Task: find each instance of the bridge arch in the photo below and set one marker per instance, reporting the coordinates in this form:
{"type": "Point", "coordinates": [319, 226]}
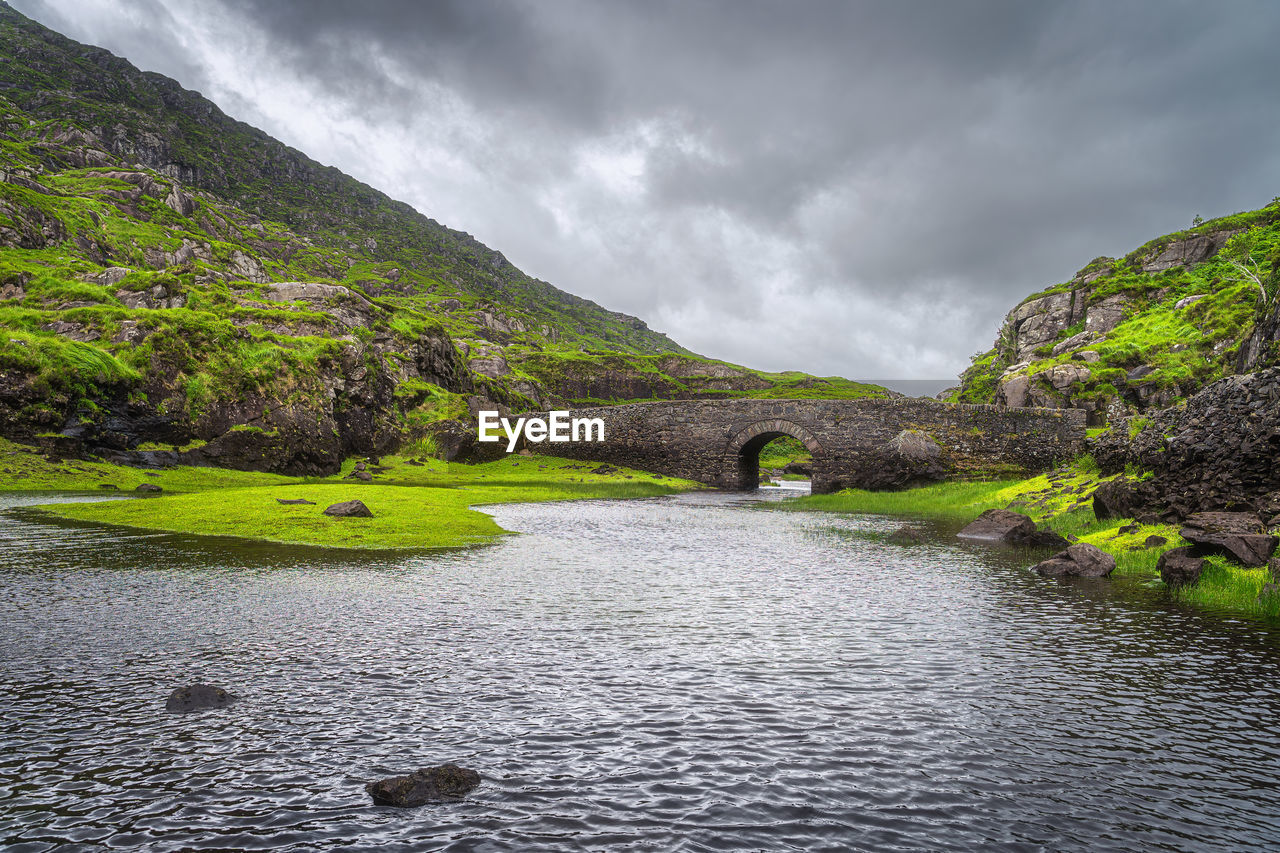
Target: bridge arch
{"type": "Point", "coordinates": [743, 450]}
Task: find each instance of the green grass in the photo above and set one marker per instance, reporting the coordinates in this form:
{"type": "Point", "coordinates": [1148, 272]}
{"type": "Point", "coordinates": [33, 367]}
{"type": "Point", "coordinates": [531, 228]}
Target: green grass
{"type": "Point", "coordinates": [413, 506]}
{"type": "Point", "coordinates": [1224, 587]}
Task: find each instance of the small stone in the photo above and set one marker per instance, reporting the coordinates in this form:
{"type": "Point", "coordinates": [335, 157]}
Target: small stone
{"type": "Point", "coordinates": [294, 501]}
{"type": "Point", "coordinates": [198, 697]}
{"type": "Point", "coordinates": [1154, 541]}
{"type": "Point", "coordinates": [348, 509]}
{"type": "Point", "coordinates": [430, 784]}
{"type": "Point", "coordinates": [111, 486]}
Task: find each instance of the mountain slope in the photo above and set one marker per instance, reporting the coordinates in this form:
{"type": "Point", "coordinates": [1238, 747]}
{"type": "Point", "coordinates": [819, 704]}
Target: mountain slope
{"type": "Point", "coordinates": [172, 278]}
{"type": "Point", "coordinates": [1144, 331]}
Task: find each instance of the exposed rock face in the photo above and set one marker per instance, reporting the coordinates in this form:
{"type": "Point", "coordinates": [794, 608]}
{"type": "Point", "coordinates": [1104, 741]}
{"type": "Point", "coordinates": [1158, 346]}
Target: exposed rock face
{"type": "Point", "coordinates": [1040, 321]}
{"type": "Point", "coordinates": [348, 509]}
{"type": "Point", "coordinates": [1178, 567]}
{"type": "Point", "coordinates": [1238, 535]}
{"type": "Point", "coordinates": [1219, 452]}
{"type": "Point", "coordinates": [1187, 252]}
{"type": "Point", "coordinates": [1080, 560]}
{"type": "Point", "coordinates": [428, 785]}
{"type": "Point", "coordinates": [198, 697]}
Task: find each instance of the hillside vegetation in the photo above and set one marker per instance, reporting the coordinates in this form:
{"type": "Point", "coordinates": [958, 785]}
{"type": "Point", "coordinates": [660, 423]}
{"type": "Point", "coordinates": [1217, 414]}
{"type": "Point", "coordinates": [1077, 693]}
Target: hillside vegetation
{"type": "Point", "coordinates": [1144, 331]}
{"type": "Point", "coordinates": [175, 281]}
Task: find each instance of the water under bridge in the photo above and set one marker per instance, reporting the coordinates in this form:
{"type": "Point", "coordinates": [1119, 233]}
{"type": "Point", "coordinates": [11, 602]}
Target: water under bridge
{"type": "Point", "coordinates": [868, 443]}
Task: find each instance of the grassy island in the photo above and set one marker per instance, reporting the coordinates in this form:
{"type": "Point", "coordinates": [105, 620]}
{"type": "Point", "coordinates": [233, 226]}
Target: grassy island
{"type": "Point", "coordinates": [416, 503]}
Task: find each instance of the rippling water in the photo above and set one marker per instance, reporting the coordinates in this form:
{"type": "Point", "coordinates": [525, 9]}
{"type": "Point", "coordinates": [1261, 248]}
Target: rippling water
{"type": "Point", "coordinates": [685, 673]}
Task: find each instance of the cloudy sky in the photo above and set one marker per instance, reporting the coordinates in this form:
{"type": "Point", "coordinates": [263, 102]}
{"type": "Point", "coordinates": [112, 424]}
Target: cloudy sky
{"type": "Point", "coordinates": [851, 188]}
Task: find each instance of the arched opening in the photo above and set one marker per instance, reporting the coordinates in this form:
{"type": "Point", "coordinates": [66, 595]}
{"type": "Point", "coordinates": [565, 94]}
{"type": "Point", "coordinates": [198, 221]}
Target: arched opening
{"type": "Point", "coordinates": [744, 449]}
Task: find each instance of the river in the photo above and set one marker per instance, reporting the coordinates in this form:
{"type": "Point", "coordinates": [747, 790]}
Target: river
{"type": "Point", "coordinates": [690, 673]}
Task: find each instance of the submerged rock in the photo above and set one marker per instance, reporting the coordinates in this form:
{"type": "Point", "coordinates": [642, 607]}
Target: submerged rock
{"type": "Point", "coordinates": [1081, 560]}
{"type": "Point", "coordinates": [430, 784]}
{"type": "Point", "coordinates": [348, 509]}
{"type": "Point", "coordinates": [1238, 535]}
{"type": "Point", "coordinates": [907, 535]}
{"type": "Point", "coordinates": [198, 697]}
{"type": "Point", "coordinates": [1179, 568]}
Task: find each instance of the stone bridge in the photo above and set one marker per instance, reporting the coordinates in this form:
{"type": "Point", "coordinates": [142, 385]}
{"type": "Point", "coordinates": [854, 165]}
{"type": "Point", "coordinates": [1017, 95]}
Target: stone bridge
{"type": "Point", "coordinates": [874, 444]}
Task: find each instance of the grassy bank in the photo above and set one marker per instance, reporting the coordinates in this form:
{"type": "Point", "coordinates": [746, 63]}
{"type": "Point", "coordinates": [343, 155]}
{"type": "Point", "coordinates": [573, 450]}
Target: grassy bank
{"type": "Point", "coordinates": [414, 505]}
{"type": "Point", "coordinates": [1061, 502]}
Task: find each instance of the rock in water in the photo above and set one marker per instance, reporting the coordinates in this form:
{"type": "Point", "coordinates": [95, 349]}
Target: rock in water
{"type": "Point", "coordinates": [1000, 525]}
{"type": "Point", "coordinates": [430, 784]}
{"type": "Point", "coordinates": [198, 697]}
{"type": "Point", "coordinates": [907, 535]}
{"type": "Point", "coordinates": [1178, 568]}
{"type": "Point", "coordinates": [348, 509]}
{"type": "Point", "coordinates": [1081, 560]}
{"type": "Point", "coordinates": [1238, 535]}
{"type": "Point", "coordinates": [149, 488]}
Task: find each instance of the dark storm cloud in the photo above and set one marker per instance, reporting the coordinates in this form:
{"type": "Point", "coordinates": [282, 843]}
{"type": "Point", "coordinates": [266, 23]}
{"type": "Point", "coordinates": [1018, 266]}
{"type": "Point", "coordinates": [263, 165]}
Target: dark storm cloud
{"type": "Point", "coordinates": [842, 187]}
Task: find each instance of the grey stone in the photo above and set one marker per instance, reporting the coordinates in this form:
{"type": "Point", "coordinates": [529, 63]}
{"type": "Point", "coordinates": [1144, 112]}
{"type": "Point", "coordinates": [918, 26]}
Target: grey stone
{"type": "Point", "coordinates": [1178, 567]}
{"type": "Point", "coordinates": [430, 784]}
{"type": "Point", "coordinates": [295, 501]}
{"type": "Point", "coordinates": [348, 509]}
{"type": "Point", "coordinates": [1237, 535]}
{"type": "Point", "coordinates": [1079, 560]}
{"type": "Point", "coordinates": [149, 488]}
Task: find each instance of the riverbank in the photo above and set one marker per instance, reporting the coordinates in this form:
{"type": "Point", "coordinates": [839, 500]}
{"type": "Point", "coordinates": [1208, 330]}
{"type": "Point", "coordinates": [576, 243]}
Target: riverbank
{"type": "Point", "coordinates": [415, 502]}
{"type": "Point", "coordinates": [1061, 501]}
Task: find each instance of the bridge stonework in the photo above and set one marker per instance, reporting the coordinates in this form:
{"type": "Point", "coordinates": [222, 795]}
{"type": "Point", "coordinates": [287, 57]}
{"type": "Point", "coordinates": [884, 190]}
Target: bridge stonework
{"type": "Point", "coordinates": [717, 442]}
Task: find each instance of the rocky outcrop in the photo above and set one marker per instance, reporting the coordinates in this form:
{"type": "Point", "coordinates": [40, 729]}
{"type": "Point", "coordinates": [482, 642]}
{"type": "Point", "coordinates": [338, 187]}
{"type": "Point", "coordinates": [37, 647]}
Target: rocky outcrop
{"type": "Point", "coordinates": [1080, 560]}
{"type": "Point", "coordinates": [428, 785]}
{"type": "Point", "coordinates": [1221, 451]}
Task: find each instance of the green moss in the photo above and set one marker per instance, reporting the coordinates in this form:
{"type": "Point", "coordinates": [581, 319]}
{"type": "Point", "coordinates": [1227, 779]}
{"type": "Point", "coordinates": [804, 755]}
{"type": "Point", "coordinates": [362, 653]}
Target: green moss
{"type": "Point", "coordinates": [425, 506]}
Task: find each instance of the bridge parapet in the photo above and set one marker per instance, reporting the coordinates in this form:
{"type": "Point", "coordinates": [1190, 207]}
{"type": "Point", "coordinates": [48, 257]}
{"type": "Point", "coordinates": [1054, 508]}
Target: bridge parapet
{"type": "Point", "coordinates": [853, 442]}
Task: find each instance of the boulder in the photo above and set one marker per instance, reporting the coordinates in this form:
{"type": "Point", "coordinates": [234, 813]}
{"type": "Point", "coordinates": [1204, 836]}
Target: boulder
{"type": "Point", "coordinates": [149, 488]}
{"type": "Point", "coordinates": [348, 509]}
{"type": "Point", "coordinates": [802, 469]}
{"type": "Point", "coordinates": [1000, 525]}
{"type": "Point", "coordinates": [1178, 567]}
{"type": "Point", "coordinates": [1116, 499]}
{"type": "Point", "coordinates": [198, 697]}
{"type": "Point", "coordinates": [428, 785]}
{"type": "Point", "coordinates": [1238, 535]}
{"type": "Point", "coordinates": [1044, 538]}
{"type": "Point", "coordinates": [1081, 560]}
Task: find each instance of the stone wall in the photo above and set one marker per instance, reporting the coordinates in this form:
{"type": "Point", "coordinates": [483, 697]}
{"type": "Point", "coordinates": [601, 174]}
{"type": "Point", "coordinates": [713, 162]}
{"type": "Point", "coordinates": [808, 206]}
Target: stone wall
{"type": "Point", "coordinates": [854, 442]}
